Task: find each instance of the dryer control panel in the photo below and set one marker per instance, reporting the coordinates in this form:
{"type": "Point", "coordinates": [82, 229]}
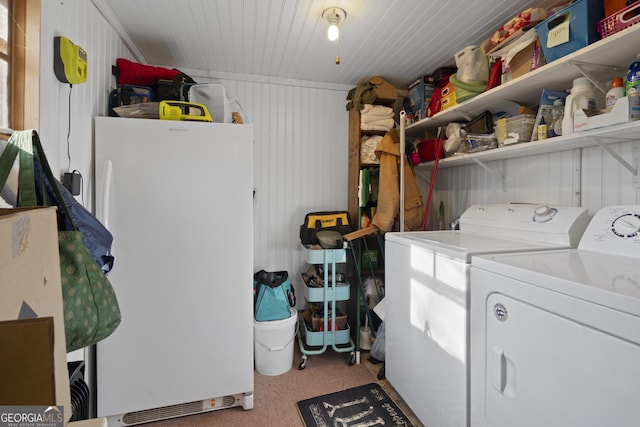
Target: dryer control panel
{"type": "Point", "coordinates": [553, 225]}
{"type": "Point", "coordinates": [614, 230]}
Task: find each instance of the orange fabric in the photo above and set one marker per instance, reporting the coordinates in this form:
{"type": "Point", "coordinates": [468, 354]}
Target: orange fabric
{"type": "Point", "coordinates": [388, 151]}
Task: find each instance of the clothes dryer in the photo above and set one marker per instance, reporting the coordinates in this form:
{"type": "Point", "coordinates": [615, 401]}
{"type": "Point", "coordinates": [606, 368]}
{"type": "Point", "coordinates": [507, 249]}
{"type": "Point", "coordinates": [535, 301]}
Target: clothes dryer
{"type": "Point", "coordinates": [555, 335]}
{"type": "Point", "coordinates": [427, 298]}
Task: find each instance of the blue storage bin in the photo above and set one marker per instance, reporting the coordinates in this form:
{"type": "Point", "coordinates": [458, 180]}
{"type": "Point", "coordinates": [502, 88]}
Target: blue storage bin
{"type": "Point", "coordinates": [341, 336]}
{"type": "Point", "coordinates": [341, 291]}
{"type": "Point", "coordinates": [582, 18]}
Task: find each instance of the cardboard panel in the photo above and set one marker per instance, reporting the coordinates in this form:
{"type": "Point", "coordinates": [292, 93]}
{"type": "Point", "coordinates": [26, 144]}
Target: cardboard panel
{"type": "Point", "coordinates": [26, 362]}
{"type": "Point", "coordinates": [30, 281]}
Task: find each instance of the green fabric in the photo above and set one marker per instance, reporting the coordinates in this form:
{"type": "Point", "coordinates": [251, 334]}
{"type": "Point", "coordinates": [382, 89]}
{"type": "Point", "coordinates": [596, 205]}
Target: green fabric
{"type": "Point", "coordinates": [20, 146]}
{"type": "Point", "coordinates": [360, 95]}
{"type": "Point", "coordinates": [91, 310]}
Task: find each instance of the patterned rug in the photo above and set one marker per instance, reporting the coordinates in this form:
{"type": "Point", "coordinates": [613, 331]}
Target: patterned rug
{"type": "Point", "coordinates": [364, 406]}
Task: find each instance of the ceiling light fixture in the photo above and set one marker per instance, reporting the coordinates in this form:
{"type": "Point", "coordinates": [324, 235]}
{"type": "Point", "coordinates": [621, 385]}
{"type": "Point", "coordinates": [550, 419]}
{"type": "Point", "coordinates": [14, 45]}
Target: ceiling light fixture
{"type": "Point", "coordinates": [334, 16]}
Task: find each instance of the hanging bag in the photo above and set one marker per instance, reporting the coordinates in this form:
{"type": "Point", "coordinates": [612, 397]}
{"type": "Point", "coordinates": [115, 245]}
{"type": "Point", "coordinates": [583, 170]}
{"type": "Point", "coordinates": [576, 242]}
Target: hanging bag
{"type": "Point", "coordinates": [91, 310]}
{"type": "Point", "coordinates": [274, 295]}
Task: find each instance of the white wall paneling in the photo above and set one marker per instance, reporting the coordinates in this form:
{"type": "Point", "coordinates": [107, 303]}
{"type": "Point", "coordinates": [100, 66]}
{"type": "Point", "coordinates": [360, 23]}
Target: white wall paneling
{"type": "Point", "coordinates": [300, 131]}
{"type": "Point", "coordinates": [300, 163]}
{"type": "Point", "coordinates": [606, 181]}
{"type": "Point", "coordinates": [546, 178]}
{"type": "Point", "coordinates": [300, 157]}
{"type": "Point", "coordinates": [80, 22]}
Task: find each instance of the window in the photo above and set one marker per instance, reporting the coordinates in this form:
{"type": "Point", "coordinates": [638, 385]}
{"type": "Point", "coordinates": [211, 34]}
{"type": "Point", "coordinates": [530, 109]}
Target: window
{"type": "Point", "coordinates": [19, 63]}
{"type": "Point", "coordinates": [5, 58]}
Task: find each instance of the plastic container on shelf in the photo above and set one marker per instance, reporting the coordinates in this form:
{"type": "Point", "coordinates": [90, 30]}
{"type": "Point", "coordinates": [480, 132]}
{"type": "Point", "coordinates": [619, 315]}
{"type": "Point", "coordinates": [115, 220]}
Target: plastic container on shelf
{"type": "Point", "coordinates": [617, 91]}
{"type": "Point", "coordinates": [543, 129]}
{"type": "Point", "coordinates": [620, 19]}
{"type": "Point", "coordinates": [557, 113]}
{"type": "Point", "coordinates": [632, 90]}
{"type": "Point", "coordinates": [570, 29]}
{"type": "Point", "coordinates": [582, 96]}
{"type": "Point", "coordinates": [428, 150]}
{"type": "Point", "coordinates": [519, 129]}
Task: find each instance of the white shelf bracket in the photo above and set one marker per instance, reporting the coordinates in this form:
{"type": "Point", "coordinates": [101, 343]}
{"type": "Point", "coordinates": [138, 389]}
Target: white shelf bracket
{"type": "Point", "coordinates": [493, 172]}
{"type": "Point", "coordinates": [581, 66]}
{"type": "Point", "coordinates": [633, 168]}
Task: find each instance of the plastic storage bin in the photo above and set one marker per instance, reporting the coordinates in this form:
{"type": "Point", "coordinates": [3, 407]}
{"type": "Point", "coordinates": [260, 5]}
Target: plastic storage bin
{"type": "Point", "coordinates": [518, 129]}
{"type": "Point", "coordinates": [626, 17]}
{"type": "Point", "coordinates": [342, 336]}
{"type": "Point", "coordinates": [341, 291]}
{"type": "Point", "coordinates": [428, 150]}
{"type": "Point", "coordinates": [214, 97]}
{"type": "Point", "coordinates": [570, 29]}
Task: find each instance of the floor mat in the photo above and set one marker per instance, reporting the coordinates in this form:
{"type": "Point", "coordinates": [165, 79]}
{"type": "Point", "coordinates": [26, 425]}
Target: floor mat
{"type": "Point", "coordinates": [363, 406]}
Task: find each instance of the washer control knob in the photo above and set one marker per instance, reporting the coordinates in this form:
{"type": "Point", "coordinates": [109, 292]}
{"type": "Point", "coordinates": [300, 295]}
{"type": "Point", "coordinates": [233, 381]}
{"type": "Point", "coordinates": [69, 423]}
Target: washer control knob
{"type": "Point", "coordinates": [543, 213]}
{"type": "Point", "coordinates": [627, 225]}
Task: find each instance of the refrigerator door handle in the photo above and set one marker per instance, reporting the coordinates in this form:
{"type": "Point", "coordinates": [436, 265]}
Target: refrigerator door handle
{"type": "Point", "coordinates": [106, 192]}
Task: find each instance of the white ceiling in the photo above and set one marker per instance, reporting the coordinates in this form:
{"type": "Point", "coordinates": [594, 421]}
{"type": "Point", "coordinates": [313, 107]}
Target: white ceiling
{"type": "Point", "coordinates": [398, 39]}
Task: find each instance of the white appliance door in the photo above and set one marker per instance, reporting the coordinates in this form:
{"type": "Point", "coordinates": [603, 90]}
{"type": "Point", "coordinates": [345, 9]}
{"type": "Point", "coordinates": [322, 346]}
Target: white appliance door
{"type": "Point", "coordinates": [177, 197]}
{"type": "Point", "coordinates": [426, 322]}
{"type": "Point", "coordinates": [550, 367]}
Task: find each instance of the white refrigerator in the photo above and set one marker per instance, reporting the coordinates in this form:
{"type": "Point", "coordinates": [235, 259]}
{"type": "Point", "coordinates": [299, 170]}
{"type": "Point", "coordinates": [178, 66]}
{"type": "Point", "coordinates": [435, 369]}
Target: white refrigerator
{"type": "Point", "coordinates": [177, 197]}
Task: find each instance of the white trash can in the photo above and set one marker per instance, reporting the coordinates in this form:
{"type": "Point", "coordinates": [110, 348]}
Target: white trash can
{"type": "Point", "coordinates": [273, 344]}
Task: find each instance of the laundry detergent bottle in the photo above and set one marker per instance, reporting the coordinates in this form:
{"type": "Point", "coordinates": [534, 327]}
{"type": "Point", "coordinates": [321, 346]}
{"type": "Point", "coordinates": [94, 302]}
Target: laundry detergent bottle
{"type": "Point", "coordinates": [582, 96]}
{"type": "Point", "coordinates": [632, 90]}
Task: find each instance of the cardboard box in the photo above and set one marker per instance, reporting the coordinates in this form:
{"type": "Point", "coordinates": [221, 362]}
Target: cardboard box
{"type": "Point", "coordinates": [528, 59]}
{"type": "Point", "coordinates": [419, 94]}
{"type": "Point", "coordinates": [30, 287]}
{"type": "Point", "coordinates": [591, 119]}
{"type": "Point", "coordinates": [417, 100]}
{"type": "Point", "coordinates": [384, 90]}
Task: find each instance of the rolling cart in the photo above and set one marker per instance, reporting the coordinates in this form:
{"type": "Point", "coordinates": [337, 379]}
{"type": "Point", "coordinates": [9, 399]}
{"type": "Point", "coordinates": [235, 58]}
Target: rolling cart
{"type": "Point", "coordinates": [316, 342]}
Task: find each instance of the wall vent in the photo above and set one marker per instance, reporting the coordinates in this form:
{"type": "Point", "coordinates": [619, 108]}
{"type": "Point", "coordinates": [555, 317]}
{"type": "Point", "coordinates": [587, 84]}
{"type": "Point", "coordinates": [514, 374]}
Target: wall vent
{"type": "Point", "coordinates": [173, 411]}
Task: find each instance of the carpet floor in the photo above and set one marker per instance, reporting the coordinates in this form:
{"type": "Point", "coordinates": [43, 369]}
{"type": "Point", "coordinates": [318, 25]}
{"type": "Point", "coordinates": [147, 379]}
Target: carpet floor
{"type": "Point", "coordinates": [275, 397]}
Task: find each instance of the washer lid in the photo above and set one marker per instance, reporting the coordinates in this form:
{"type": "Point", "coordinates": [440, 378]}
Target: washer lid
{"type": "Point", "coordinates": [463, 245]}
{"type": "Point", "coordinates": [605, 279]}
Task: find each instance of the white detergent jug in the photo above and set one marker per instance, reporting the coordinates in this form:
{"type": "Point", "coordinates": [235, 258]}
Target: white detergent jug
{"type": "Point", "coordinates": [582, 96]}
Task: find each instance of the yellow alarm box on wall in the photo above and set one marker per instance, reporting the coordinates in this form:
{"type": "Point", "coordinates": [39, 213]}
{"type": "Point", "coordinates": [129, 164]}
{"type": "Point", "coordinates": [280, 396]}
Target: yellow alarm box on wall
{"type": "Point", "coordinates": [69, 61]}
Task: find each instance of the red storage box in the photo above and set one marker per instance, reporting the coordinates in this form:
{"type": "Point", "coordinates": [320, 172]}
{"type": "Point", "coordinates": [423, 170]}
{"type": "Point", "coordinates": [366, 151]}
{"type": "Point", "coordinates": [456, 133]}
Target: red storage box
{"type": "Point", "coordinates": [428, 150]}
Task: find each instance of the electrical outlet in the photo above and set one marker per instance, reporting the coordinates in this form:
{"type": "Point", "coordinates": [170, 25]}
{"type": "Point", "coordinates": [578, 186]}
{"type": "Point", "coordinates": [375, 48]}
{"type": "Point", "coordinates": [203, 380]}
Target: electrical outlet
{"type": "Point", "coordinates": [72, 182]}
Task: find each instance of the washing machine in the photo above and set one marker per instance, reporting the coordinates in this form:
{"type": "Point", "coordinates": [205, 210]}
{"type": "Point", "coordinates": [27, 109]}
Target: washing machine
{"type": "Point", "coordinates": [427, 298]}
{"type": "Point", "coordinates": [555, 335]}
